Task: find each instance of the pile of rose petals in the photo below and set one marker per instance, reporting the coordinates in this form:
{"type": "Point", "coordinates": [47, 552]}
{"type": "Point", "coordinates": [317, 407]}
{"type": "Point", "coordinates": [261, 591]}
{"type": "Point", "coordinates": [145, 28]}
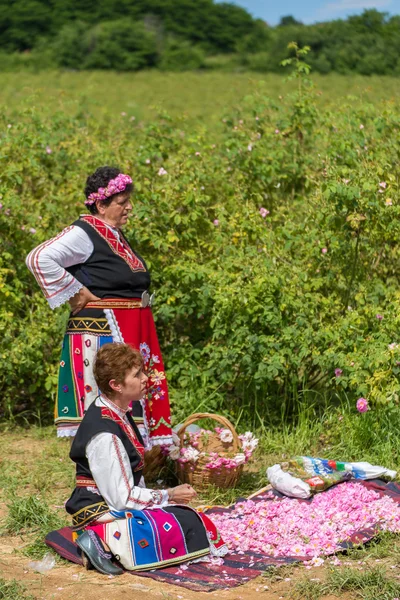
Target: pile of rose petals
{"type": "Point", "coordinates": [289, 527]}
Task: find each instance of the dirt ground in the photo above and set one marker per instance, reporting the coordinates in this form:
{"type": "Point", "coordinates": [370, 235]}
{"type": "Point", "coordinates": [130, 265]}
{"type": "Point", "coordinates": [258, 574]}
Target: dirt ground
{"type": "Point", "coordinates": [28, 456]}
{"type": "Point", "coordinates": [68, 581]}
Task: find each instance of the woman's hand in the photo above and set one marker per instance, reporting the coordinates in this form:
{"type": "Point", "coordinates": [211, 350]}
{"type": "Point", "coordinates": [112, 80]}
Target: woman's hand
{"type": "Point", "coordinates": [182, 494]}
{"type": "Point", "coordinates": [79, 301]}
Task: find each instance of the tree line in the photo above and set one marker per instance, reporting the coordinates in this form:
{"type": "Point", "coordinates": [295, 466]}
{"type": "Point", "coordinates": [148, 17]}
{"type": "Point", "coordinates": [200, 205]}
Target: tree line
{"type": "Point", "coordinates": [129, 35]}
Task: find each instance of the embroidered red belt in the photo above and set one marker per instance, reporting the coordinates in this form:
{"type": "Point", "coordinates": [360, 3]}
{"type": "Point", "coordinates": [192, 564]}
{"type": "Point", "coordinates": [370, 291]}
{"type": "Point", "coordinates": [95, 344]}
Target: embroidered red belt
{"type": "Point", "coordinates": [115, 303]}
{"type": "Point", "coordinates": [143, 302]}
{"type": "Point", "coordinates": [85, 482]}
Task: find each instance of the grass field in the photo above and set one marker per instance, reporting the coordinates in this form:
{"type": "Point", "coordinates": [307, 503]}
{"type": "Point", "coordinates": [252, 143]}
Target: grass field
{"type": "Point", "coordinates": [200, 97]}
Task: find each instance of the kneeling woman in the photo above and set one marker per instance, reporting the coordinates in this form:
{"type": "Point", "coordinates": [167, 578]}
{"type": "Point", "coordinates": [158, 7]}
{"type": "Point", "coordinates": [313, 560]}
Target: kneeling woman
{"type": "Point", "coordinates": [113, 512]}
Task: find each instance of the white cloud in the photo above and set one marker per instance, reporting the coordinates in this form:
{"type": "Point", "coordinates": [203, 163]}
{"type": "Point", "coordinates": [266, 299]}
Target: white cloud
{"type": "Point", "coordinates": [332, 8]}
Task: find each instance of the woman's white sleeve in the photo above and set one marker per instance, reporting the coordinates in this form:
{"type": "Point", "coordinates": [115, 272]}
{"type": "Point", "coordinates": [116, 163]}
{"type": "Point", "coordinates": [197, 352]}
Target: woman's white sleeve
{"type": "Point", "coordinates": [48, 262]}
{"type": "Point", "coordinates": [111, 470]}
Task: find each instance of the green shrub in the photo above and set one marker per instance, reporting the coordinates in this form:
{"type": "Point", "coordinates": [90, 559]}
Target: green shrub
{"type": "Point", "coordinates": [254, 309]}
{"type": "Point", "coordinates": [123, 45]}
{"type": "Point", "coordinates": [181, 56]}
{"type": "Point", "coordinates": [34, 61]}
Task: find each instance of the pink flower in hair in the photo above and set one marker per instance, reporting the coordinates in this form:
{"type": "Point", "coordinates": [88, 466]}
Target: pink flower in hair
{"type": "Point", "coordinates": [115, 186]}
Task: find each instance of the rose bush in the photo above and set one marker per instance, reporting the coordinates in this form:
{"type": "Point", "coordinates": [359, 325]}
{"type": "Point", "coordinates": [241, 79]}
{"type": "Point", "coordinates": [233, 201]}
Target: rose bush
{"type": "Point", "coordinates": [273, 246]}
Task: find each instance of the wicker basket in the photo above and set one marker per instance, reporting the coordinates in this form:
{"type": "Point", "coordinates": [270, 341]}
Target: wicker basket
{"type": "Point", "coordinates": [154, 461]}
{"type": "Point", "coordinates": [196, 474]}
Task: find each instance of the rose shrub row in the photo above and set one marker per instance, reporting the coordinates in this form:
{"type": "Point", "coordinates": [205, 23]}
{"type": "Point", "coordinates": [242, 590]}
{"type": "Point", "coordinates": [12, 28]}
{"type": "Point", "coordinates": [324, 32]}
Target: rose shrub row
{"type": "Point", "coordinates": [273, 246]}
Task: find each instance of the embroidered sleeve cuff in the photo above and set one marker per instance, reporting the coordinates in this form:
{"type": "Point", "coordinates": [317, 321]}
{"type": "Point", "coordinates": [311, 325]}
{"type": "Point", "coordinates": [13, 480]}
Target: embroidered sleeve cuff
{"type": "Point", "coordinates": [161, 497]}
{"type": "Point", "coordinates": [65, 295]}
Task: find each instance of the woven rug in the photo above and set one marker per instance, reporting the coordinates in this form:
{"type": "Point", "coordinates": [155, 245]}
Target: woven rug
{"type": "Point", "coordinates": [236, 568]}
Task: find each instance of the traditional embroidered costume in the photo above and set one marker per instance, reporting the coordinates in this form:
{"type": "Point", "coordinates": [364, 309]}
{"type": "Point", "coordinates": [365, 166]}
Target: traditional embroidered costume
{"type": "Point", "coordinates": [139, 526]}
{"type": "Point", "coordinates": [94, 254]}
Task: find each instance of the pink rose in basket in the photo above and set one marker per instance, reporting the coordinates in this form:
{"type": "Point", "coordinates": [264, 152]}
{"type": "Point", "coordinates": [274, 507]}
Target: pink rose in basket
{"type": "Point", "coordinates": [226, 436]}
{"type": "Point", "coordinates": [240, 459]}
{"type": "Point", "coordinates": [174, 452]}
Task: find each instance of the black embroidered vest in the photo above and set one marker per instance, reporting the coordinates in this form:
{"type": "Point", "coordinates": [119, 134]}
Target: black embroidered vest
{"type": "Point", "coordinates": [86, 503]}
{"type": "Point", "coordinates": [113, 270]}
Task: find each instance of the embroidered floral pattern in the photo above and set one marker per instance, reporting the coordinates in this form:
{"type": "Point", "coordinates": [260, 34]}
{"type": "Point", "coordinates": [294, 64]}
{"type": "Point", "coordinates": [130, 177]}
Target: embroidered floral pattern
{"type": "Point", "coordinates": [107, 413]}
{"type": "Point", "coordinates": [157, 377]}
{"type": "Point", "coordinates": [145, 352]}
{"type": "Point", "coordinates": [121, 250]}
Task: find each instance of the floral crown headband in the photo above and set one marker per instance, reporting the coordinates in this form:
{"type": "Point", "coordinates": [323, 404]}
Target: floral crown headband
{"type": "Point", "coordinates": [114, 186]}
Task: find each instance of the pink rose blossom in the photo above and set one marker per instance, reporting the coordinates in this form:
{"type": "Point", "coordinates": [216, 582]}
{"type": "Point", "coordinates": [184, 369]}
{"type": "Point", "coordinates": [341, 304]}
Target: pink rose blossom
{"type": "Point", "coordinates": [216, 222]}
{"type": "Point", "coordinates": [383, 184]}
{"type": "Point", "coordinates": [324, 250]}
{"type": "Point", "coordinates": [379, 317]}
{"type": "Point", "coordinates": [362, 405]}
{"type": "Point", "coordinates": [277, 131]}
{"type": "Point", "coordinates": [189, 453]}
{"type": "Point", "coordinates": [32, 230]}
{"type": "Point", "coordinates": [263, 212]}
{"type": "Point", "coordinates": [288, 527]}
{"type": "Point", "coordinates": [48, 150]}
{"type": "Point", "coordinates": [226, 436]}
{"type": "Point", "coordinates": [338, 372]}
{"type": "Point", "coordinates": [162, 172]}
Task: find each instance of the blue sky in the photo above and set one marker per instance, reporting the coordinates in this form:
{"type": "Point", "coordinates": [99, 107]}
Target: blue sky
{"type": "Point", "coordinates": [309, 11]}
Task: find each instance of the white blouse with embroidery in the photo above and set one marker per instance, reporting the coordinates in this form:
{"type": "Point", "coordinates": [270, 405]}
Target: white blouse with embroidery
{"type": "Point", "coordinates": [111, 470]}
{"type": "Point", "coordinates": [48, 263]}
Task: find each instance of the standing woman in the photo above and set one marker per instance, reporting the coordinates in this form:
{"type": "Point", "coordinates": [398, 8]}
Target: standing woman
{"type": "Point", "coordinates": [91, 266]}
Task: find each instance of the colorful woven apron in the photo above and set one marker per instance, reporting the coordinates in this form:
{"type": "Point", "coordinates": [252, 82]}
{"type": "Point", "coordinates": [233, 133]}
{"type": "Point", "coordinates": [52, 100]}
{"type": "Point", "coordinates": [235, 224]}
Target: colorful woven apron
{"type": "Point", "coordinates": [104, 322]}
{"type": "Point", "coordinates": [159, 537]}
